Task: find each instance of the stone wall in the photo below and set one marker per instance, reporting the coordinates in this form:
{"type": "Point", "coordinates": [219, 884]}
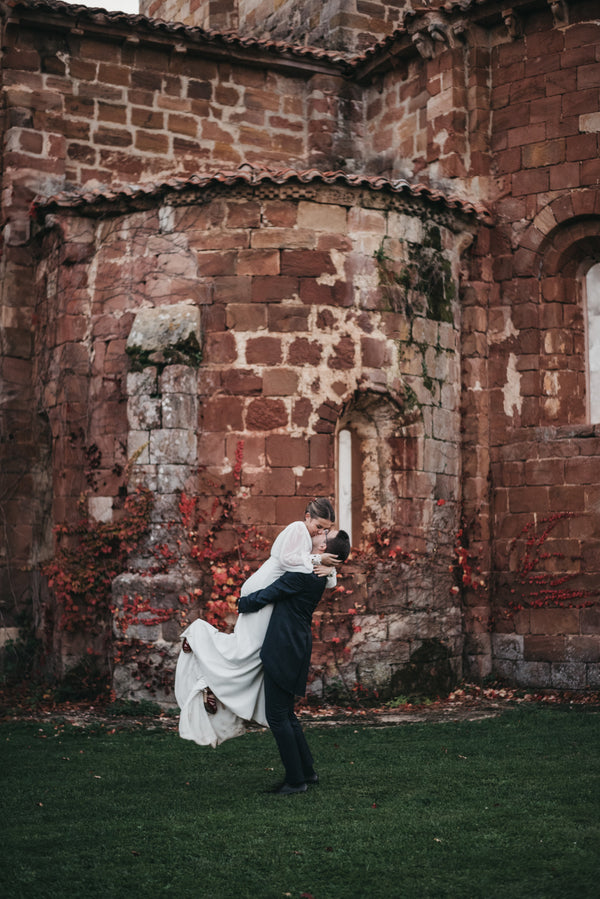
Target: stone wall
{"type": "Point", "coordinates": [303, 331]}
{"type": "Point", "coordinates": [473, 103]}
{"type": "Point", "coordinates": [528, 346]}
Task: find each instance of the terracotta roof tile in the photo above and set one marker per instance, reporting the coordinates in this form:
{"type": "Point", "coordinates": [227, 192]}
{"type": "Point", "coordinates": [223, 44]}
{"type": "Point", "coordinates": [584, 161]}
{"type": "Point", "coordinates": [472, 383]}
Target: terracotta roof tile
{"type": "Point", "coordinates": [252, 175]}
{"type": "Point", "coordinates": [99, 16]}
{"type": "Point", "coordinates": [345, 61]}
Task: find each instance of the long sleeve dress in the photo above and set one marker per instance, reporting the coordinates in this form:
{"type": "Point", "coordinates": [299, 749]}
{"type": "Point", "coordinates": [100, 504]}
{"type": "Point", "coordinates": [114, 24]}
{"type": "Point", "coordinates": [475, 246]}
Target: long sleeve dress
{"type": "Point", "coordinates": [230, 663]}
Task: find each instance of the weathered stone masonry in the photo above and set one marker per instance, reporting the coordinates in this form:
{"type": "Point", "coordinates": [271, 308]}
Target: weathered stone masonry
{"type": "Point", "coordinates": [430, 298]}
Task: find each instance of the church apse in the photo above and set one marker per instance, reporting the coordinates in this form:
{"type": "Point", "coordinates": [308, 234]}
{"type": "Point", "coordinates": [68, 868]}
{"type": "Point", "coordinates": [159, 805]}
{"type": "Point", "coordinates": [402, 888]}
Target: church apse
{"type": "Point", "coordinates": [237, 330]}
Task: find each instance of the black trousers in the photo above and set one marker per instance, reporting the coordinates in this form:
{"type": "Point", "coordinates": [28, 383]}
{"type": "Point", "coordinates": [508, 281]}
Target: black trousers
{"type": "Point", "coordinates": [291, 742]}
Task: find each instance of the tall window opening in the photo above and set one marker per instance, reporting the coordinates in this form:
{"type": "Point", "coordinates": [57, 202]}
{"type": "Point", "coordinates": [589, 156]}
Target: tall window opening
{"type": "Point", "coordinates": [377, 453]}
{"type": "Point", "coordinates": [592, 291]}
{"type": "Point", "coordinates": [344, 487]}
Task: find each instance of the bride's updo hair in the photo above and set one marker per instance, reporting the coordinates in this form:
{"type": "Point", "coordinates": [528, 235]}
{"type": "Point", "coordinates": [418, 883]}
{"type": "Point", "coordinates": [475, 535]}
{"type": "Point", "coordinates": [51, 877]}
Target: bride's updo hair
{"type": "Point", "coordinates": [321, 508]}
{"type": "Point", "coordinates": [339, 545]}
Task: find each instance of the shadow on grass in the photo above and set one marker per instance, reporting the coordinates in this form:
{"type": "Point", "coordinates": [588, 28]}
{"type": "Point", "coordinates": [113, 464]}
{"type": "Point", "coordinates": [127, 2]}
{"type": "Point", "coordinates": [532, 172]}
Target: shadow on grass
{"type": "Point", "coordinates": [506, 806]}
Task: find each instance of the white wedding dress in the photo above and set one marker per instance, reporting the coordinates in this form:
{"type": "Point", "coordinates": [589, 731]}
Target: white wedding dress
{"type": "Point", "coordinates": [230, 663]}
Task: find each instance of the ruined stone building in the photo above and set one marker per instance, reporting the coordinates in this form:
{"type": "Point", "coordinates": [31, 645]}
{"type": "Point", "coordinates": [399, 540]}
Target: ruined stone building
{"type": "Point", "coordinates": [288, 249]}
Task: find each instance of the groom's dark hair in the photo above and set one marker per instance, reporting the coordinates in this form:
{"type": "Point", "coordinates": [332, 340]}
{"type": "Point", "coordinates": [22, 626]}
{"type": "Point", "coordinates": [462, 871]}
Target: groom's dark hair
{"type": "Point", "coordinates": [339, 545]}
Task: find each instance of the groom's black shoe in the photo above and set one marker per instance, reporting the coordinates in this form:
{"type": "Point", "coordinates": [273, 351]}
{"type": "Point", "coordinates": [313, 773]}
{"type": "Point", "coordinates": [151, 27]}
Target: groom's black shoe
{"type": "Point", "coordinates": [287, 789]}
{"type": "Point", "coordinates": [312, 779]}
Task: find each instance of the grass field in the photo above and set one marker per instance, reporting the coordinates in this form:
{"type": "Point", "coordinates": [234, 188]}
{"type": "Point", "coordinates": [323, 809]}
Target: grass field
{"type": "Point", "coordinates": [502, 807]}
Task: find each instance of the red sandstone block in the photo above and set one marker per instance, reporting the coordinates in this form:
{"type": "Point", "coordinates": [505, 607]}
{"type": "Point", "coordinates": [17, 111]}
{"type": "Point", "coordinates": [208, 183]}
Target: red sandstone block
{"type": "Point", "coordinates": [544, 649]}
{"type": "Point", "coordinates": [216, 264]}
{"type": "Point", "coordinates": [579, 102]}
{"type": "Point", "coordinates": [242, 382]}
{"type": "Point", "coordinates": [280, 382]}
{"type": "Point", "coordinates": [508, 161]}
{"type": "Point", "coordinates": [276, 482]}
{"type": "Point", "coordinates": [214, 318]}
{"type": "Point", "coordinates": [530, 182]}
{"type": "Point", "coordinates": [246, 317]}
{"type": "Point", "coordinates": [232, 289]}
{"type": "Point", "coordinates": [183, 124]}
{"type": "Point", "coordinates": [321, 451]}
{"type": "Point", "coordinates": [264, 351]}
{"type": "Point", "coordinates": [114, 74]}
{"type": "Point", "coordinates": [343, 356]}
{"type": "Point", "coordinates": [544, 472]}
{"type": "Point", "coordinates": [590, 171]}
{"type": "Point", "coordinates": [590, 620]}
{"type": "Point", "coordinates": [567, 498]}
{"type": "Point", "coordinates": [258, 262]}
{"type": "Point", "coordinates": [109, 112]}
{"type": "Point", "coordinates": [267, 289]}
{"type": "Point", "coordinates": [545, 110]}
{"type": "Point", "coordinates": [542, 154]}
{"type": "Point", "coordinates": [266, 414]}
{"type": "Point", "coordinates": [113, 137]}
{"type": "Point", "coordinates": [566, 126]}
{"type": "Point", "coordinates": [221, 414]}
{"type": "Point", "coordinates": [220, 348]}
{"type": "Point", "coordinates": [288, 318]}
{"type": "Point", "coordinates": [151, 142]}
{"type": "Point", "coordinates": [526, 134]}
{"type": "Point", "coordinates": [315, 482]}
{"type": "Point", "coordinates": [289, 509]}
{"type": "Point", "coordinates": [582, 146]}
{"type": "Point", "coordinates": [304, 352]}
{"type": "Point", "coordinates": [285, 452]}
{"type": "Point", "coordinates": [243, 215]}
{"type": "Point", "coordinates": [554, 621]}
{"type": "Point", "coordinates": [374, 352]}
{"type": "Point", "coordinates": [584, 203]}
{"type": "Point", "coordinates": [306, 263]}
{"type": "Point", "coordinates": [588, 76]}
{"type": "Point", "coordinates": [338, 294]}
{"type": "Point", "coordinates": [280, 214]}
{"type": "Point", "coordinates": [301, 412]}
{"type": "Point", "coordinates": [253, 449]}
{"type": "Point", "coordinates": [147, 118]}
{"type": "Point", "coordinates": [582, 470]}
{"type": "Point", "coordinates": [529, 500]}
{"type": "Point", "coordinates": [512, 473]}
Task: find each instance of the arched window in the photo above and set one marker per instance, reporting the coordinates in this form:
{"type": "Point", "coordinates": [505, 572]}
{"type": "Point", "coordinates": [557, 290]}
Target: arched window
{"type": "Point", "coordinates": [592, 291]}
{"type": "Point", "coordinates": [344, 485]}
{"type": "Point", "coordinates": [379, 454]}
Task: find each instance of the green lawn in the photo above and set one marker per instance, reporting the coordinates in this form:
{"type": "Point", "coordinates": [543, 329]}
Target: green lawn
{"type": "Point", "coordinates": [504, 807]}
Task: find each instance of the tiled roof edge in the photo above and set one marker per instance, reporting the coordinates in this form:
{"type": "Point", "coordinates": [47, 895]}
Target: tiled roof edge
{"type": "Point", "coordinates": [100, 16]}
{"type": "Point", "coordinates": [251, 175]}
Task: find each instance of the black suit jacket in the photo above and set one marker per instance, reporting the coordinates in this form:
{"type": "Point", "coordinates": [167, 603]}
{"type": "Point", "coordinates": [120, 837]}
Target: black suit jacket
{"type": "Point", "coordinates": [287, 646]}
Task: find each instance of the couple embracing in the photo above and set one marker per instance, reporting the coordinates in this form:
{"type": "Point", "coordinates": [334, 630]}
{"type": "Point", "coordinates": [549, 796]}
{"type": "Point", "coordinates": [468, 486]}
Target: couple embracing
{"type": "Point", "coordinates": [223, 680]}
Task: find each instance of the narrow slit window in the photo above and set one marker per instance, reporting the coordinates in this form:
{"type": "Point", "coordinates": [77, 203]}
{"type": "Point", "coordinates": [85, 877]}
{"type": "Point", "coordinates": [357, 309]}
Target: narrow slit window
{"type": "Point", "coordinates": [345, 481]}
{"type": "Point", "coordinates": [592, 290]}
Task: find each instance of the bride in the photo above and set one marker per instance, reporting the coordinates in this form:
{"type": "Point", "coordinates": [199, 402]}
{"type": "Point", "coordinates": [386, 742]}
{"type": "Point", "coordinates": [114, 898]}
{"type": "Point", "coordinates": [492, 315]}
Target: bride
{"type": "Point", "coordinates": [229, 665]}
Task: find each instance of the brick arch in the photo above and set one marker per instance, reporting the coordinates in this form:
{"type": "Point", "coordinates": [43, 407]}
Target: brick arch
{"type": "Point", "coordinates": [387, 452]}
{"type": "Point", "coordinates": [563, 223]}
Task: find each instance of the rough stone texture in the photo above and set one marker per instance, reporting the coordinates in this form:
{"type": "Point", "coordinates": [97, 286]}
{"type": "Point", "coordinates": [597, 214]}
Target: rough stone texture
{"type": "Point", "coordinates": [454, 350]}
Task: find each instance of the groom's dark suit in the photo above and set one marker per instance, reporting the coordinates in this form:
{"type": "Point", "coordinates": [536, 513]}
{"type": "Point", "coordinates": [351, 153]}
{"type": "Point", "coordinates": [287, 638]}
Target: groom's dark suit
{"type": "Point", "coordinates": [285, 656]}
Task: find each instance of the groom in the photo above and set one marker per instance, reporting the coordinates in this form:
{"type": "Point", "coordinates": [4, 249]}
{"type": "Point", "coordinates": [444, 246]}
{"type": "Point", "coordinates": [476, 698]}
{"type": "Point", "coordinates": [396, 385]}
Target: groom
{"type": "Point", "coordinates": [285, 655]}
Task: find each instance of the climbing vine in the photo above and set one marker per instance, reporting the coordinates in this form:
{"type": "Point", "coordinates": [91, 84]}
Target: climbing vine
{"type": "Point", "coordinates": [89, 555]}
{"type": "Point", "coordinates": [536, 584]}
{"type": "Point", "coordinates": [228, 561]}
